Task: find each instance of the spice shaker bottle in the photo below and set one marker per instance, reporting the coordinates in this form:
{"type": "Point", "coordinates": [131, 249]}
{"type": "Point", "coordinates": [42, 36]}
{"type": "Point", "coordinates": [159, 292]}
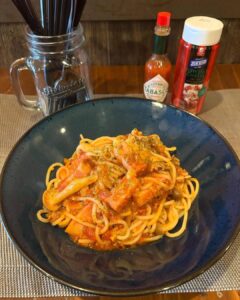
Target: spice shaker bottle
{"type": "Point", "coordinates": [196, 57]}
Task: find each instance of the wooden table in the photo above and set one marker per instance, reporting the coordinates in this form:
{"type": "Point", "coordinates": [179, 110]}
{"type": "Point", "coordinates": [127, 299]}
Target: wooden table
{"type": "Point", "coordinates": [129, 80]}
{"type": "Point", "coordinates": [126, 79]}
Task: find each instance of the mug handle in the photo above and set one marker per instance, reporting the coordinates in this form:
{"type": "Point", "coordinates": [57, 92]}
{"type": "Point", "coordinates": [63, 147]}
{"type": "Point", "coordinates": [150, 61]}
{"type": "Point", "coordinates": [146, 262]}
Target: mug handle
{"type": "Point", "coordinates": [15, 69]}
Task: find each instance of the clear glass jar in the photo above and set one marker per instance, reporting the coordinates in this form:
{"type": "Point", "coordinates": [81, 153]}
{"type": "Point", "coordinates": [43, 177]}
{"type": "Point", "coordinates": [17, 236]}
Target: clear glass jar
{"type": "Point", "coordinates": [60, 69]}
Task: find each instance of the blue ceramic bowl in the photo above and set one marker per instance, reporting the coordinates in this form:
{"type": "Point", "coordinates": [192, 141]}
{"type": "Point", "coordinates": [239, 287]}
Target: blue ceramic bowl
{"type": "Point", "coordinates": [213, 221]}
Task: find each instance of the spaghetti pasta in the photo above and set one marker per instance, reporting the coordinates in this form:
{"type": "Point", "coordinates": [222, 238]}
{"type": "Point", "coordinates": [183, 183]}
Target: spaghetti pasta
{"type": "Point", "coordinates": [118, 192]}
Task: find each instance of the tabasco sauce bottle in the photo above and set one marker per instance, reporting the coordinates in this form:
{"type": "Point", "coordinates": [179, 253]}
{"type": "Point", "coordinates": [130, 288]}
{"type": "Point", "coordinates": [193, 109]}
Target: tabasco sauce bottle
{"type": "Point", "coordinates": [158, 67]}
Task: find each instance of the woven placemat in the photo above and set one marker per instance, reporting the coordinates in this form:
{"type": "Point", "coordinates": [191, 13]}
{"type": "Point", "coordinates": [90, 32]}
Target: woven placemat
{"type": "Point", "coordinates": [19, 279]}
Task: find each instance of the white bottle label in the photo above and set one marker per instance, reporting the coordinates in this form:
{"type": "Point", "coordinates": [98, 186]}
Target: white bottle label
{"type": "Point", "coordinates": [156, 88]}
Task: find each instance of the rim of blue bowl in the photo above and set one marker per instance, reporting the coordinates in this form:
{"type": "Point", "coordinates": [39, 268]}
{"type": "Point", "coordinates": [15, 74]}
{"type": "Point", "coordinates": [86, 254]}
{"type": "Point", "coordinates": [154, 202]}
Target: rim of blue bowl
{"type": "Point", "coordinates": [145, 291]}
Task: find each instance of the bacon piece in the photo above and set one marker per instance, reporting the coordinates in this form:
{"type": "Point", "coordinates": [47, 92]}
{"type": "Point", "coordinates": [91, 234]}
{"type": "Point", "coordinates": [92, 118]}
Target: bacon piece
{"type": "Point", "coordinates": [85, 215]}
{"type": "Point", "coordinates": [74, 229]}
{"type": "Point", "coordinates": [142, 197]}
{"type": "Point", "coordinates": [147, 192]}
{"type": "Point", "coordinates": [122, 193]}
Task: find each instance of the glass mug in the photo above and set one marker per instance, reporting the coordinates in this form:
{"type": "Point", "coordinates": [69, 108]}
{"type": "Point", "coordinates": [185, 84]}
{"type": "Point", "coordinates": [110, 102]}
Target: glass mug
{"type": "Point", "coordinates": [59, 65]}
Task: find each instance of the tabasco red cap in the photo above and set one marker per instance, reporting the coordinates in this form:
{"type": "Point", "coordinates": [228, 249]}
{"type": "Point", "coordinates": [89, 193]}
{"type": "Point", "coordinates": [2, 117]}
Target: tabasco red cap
{"type": "Point", "coordinates": [163, 18]}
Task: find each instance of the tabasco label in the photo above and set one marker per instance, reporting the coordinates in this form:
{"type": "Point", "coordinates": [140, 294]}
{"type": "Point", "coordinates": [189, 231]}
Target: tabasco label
{"type": "Point", "coordinates": [156, 88]}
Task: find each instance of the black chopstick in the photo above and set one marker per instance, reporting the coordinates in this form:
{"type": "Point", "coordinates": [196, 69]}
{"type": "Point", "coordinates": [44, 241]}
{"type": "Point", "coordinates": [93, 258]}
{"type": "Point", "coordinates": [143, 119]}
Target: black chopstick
{"type": "Point", "coordinates": [62, 17]}
{"type": "Point", "coordinates": [28, 13]}
{"type": "Point", "coordinates": [50, 16]}
{"type": "Point", "coordinates": [43, 13]}
{"type": "Point", "coordinates": [66, 16]}
{"type": "Point", "coordinates": [57, 11]}
{"type": "Point", "coordinates": [79, 10]}
{"type": "Point", "coordinates": [33, 16]}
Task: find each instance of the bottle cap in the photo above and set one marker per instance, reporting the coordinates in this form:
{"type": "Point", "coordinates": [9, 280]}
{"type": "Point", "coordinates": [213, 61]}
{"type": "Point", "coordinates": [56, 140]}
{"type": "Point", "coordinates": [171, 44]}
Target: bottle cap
{"type": "Point", "coordinates": [202, 31]}
{"type": "Point", "coordinates": [163, 18]}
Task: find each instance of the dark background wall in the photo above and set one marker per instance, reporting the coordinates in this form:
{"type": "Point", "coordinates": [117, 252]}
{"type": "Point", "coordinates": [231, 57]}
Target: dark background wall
{"type": "Point", "coordinates": [102, 10]}
{"type": "Point", "coordinates": [120, 32]}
